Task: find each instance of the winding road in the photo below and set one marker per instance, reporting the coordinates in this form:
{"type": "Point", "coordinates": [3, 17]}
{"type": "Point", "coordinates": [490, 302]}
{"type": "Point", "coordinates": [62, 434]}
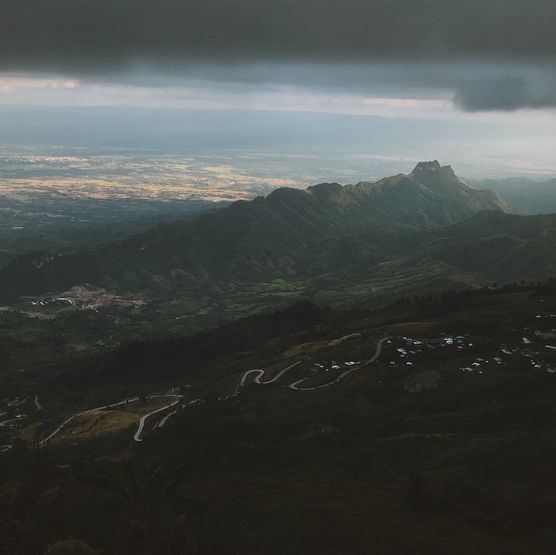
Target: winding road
{"type": "Point", "coordinates": [165, 418]}
{"type": "Point", "coordinates": [136, 437]}
{"type": "Point", "coordinates": [343, 375]}
{"type": "Point", "coordinates": [259, 374]}
{"type": "Point", "coordinates": [258, 379]}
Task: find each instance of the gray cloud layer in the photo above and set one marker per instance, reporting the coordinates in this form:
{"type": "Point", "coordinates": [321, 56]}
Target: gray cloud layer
{"type": "Point", "coordinates": [108, 37]}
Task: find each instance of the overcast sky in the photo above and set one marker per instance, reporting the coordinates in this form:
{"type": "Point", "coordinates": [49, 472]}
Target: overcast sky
{"type": "Point", "coordinates": [483, 61]}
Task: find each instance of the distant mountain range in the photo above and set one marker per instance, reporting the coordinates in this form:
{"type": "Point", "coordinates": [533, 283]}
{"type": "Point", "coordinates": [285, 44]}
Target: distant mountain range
{"type": "Point", "coordinates": [524, 196]}
{"type": "Point", "coordinates": [289, 234]}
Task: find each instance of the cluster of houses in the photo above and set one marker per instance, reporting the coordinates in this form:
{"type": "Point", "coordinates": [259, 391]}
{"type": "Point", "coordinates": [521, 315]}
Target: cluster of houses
{"type": "Point", "coordinates": [81, 298]}
{"type": "Point", "coordinates": [536, 350]}
{"type": "Point", "coordinates": [333, 365]}
{"type": "Point", "coordinates": [413, 347]}
{"type": "Point", "coordinates": [537, 347]}
{"type": "Point", "coordinates": [539, 355]}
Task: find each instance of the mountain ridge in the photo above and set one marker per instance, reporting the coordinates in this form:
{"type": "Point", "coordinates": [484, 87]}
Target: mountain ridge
{"type": "Point", "coordinates": [276, 236]}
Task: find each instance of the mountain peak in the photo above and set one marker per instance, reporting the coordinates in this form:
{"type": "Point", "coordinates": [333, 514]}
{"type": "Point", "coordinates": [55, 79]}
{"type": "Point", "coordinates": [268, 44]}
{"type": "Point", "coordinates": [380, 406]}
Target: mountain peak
{"type": "Point", "coordinates": [427, 166]}
{"type": "Point", "coordinates": [433, 166]}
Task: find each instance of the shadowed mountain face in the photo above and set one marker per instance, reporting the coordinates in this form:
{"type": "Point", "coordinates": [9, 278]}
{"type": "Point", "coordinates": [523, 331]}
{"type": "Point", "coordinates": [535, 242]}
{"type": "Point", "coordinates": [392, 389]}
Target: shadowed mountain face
{"type": "Point", "coordinates": [291, 233]}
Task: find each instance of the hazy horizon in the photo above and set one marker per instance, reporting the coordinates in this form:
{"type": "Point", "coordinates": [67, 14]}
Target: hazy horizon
{"type": "Point", "coordinates": [303, 147]}
{"type": "Point", "coordinates": [468, 82]}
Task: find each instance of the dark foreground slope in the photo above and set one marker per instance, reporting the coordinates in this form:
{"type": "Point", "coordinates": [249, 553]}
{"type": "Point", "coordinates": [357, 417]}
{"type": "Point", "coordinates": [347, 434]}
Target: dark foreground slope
{"type": "Point", "coordinates": [445, 443]}
{"type": "Point", "coordinates": [289, 234]}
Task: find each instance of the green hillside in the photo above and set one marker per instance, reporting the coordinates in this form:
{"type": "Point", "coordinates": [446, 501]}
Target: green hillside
{"type": "Point", "coordinates": [290, 234]}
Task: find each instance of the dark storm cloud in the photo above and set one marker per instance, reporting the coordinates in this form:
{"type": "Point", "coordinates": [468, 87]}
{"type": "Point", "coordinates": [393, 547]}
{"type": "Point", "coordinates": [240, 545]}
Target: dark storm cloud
{"type": "Point", "coordinates": [507, 93]}
{"type": "Point", "coordinates": [105, 37]}
{"type": "Point", "coordinates": [105, 33]}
